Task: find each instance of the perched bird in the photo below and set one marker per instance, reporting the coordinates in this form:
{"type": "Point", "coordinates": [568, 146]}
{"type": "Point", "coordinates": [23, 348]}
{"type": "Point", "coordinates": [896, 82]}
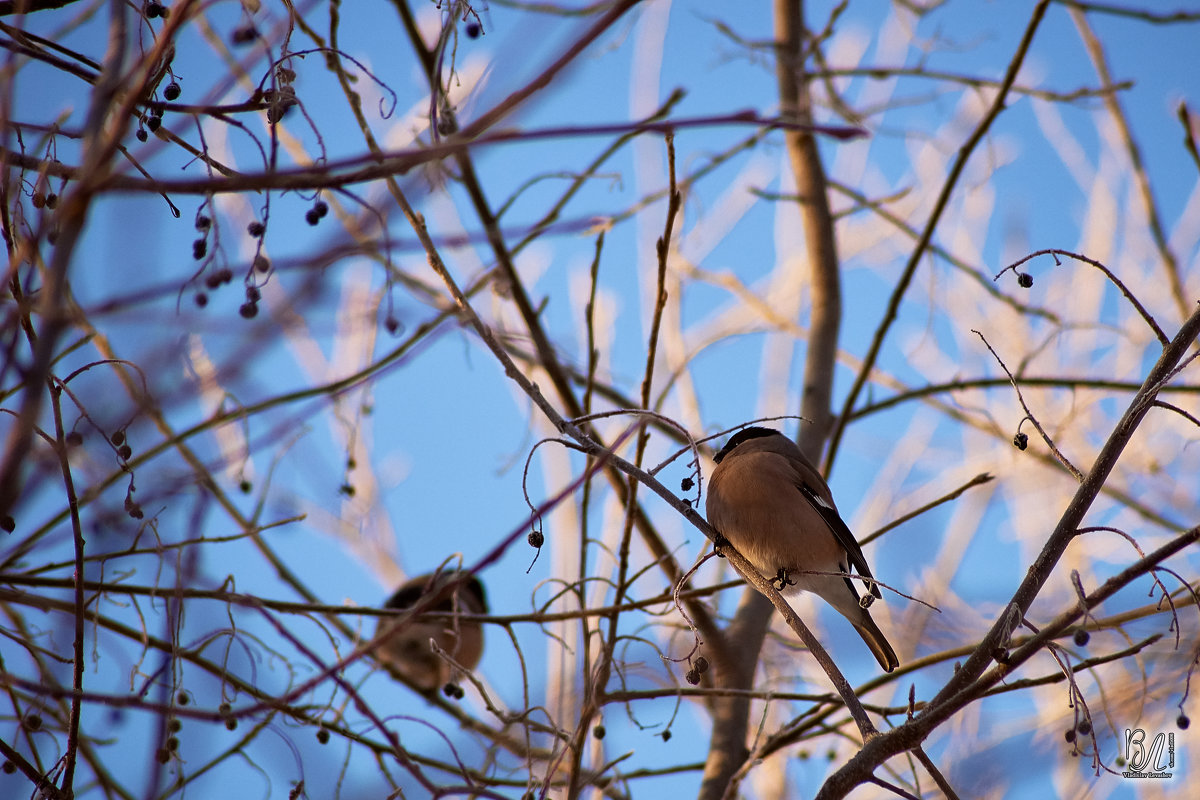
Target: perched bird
{"type": "Point", "coordinates": [772, 505]}
{"type": "Point", "coordinates": [407, 650]}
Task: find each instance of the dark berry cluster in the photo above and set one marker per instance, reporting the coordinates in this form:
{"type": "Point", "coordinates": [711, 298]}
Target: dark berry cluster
{"type": "Point", "coordinates": [317, 213]}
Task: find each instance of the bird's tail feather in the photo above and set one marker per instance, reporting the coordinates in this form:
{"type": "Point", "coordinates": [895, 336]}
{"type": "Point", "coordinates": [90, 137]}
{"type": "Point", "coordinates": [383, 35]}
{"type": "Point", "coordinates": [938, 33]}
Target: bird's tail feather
{"type": "Point", "coordinates": [878, 643]}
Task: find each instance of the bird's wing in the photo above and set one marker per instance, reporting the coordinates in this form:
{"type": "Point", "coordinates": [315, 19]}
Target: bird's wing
{"type": "Point", "coordinates": [840, 530]}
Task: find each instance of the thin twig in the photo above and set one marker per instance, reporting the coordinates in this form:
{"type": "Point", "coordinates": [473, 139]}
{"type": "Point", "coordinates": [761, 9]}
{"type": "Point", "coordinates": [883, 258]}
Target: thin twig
{"type": "Point", "coordinates": [935, 773]}
{"type": "Point", "coordinates": [954, 494]}
{"type": "Point", "coordinates": [1189, 134]}
{"type": "Point", "coordinates": [1062, 459]}
{"type": "Point", "coordinates": [1163, 339]}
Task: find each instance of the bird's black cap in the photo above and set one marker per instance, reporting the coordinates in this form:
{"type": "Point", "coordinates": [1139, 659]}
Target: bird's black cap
{"type": "Point", "coordinates": [408, 595]}
{"type": "Point", "coordinates": [744, 435]}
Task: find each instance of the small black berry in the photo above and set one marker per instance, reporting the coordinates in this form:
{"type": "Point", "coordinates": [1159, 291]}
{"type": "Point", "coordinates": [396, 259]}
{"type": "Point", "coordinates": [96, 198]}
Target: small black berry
{"type": "Point", "coordinates": [172, 743]}
{"type": "Point", "coordinates": [244, 35]}
{"type": "Point", "coordinates": [248, 310]}
{"type": "Point", "coordinates": [598, 732]}
{"type": "Point", "coordinates": [392, 324]}
{"type": "Point", "coordinates": [279, 107]}
{"type": "Point", "coordinates": [8, 524]}
{"type": "Point", "coordinates": [1024, 280]}
{"type": "Point", "coordinates": [39, 200]}
{"type": "Point", "coordinates": [1183, 722]}
{"type": "Point", "coordinates": [199, 251]}
{"type": "Point", "coordinates": [1084, 727]}
{"type": "Point", "coordinates": [225, 275]}
{"type": "Point", "coordinates": [172, 91]}
{"type": "Point", "coordinates": [701, 665]}
{"type": "Point", "coordinates": [253, 294]}
{"type": "Point", "coordinates": [1081, 638]}
{"type": "Point", "coordinates": [153, 123]}
{"type": "Point", "coordinates": [1021, 441]}
{"type": "Point", "coordinates": [262, 263]}
{"type": "Point", "coordinates": [256, 229]}
{"type": "Point", "coordinates": [154, 10]}
{"type": "Point", "coordinates": [536, 539]}
{"type": "Point", "coordinates": [9, 768]}
{"type": "Point", "coordinates": [203, 223]}
{"type": "Point", "coordinates": [182, 698]}
{"type": "Point", "coordinates": [473, 30]}
{"type": "Point", "coordinates": [142, 135]}
{"type": "Point", "coordinates": [74, 439]}
{"type": "Point", "coordinates": [124, 451]}
{"type": "Point", "coordinates": [1069, 735]}
{"type": "Point", "coordinates": [321, 207]}
{"type": "Point", "coordinates": [692, 676]}
{"type": "Point", "coordinates": [162, 755]}
{"type": "Point", "coordinates": [231, 724]}
{"type": "Point", "coordinates": [322, 736]}
{"type": "Point", "coordinates": [201, 299]}
{"type": "Point", "coordinates": [686, 485]}
{"type": "Point", "coordinates": [118, 438]}
{"type": "Point", "coordinates": [246, 487]}
{"type": "Point", "coordinates": [174, 725]}
{"type": "Point", "coordinates": [312, 217]}
{"type": "Point", "coordinates": [33, 722]}
{"type": "Point", "coordinates": [52, 200]}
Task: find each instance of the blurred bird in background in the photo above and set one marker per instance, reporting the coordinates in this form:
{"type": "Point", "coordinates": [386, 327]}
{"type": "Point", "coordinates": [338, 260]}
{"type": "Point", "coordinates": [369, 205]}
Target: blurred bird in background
{"type": "Point", "coordinates": [407, 653]}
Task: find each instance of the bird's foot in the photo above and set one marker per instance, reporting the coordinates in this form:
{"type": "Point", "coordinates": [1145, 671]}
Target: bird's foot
{"type": "Point", "coordinates": [781, 580]}
{"type": "Point", "coordinates": [719, 544]}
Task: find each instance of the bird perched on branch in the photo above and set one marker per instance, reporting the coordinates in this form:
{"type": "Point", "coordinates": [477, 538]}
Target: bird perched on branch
{"type": "Point", "coordinates": [771, 504]}
{"type": "Point", "coordinates": [407, 651]}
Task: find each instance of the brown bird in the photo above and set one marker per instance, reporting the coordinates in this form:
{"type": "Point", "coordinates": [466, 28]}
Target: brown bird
{"type": "Point", "coordinates": [774, 507]}
{"type": "Point", "coordinates": [407, 651]}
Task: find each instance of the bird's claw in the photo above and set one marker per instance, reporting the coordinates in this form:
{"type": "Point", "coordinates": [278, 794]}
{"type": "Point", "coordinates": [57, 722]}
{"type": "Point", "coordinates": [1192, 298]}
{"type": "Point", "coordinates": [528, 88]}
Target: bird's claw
{"type": "Point", "coordinates": [781, 580]}
{"type": "Point", "coordinates": [719, 544]}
